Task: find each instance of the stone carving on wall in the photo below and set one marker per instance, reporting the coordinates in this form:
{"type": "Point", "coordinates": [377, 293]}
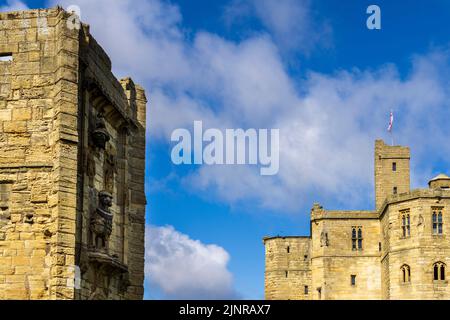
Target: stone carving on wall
{"type": "Point", "coordinates": [420, 220]}
{"type": "Point", "coordinates": [100, 135]}
{"type": "Point", "coordinates": [110, 169]}
{"type": "Point", "coordinates": [98, 294]}
{"type": "Point", "coordinates": [105, 274]}
{"type": "Point", "coordinates": [124, 282]}
{"type": "Point", "coordinates": [421, 224]}
{"type": "Point", "coordinates": [101, 223]}
{"type": "Point", "coordinates": [90, 168]}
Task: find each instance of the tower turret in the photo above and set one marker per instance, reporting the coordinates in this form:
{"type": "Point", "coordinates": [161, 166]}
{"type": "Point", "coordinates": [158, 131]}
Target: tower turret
{"type": "Point", "coordinates": [392, 171]}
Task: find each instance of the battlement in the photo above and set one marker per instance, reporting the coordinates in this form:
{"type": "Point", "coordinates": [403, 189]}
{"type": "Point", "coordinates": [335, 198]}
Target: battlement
{"type": "Point", "coordinates": [392, 171]}
{"type": "Point", "coordinates": [415, 194]}
{"type": "Point", "coordinates": [372, 254]}
{"type": "Point", "coordinates": [385, 151]}
{"type": "Point", "coordinates": [343, 214]}
{"type": "Point", "coordinates": [288, 269]}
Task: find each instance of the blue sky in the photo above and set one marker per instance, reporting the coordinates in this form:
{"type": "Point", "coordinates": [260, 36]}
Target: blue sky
{"type": "Point", "coordinates": [311, 69]}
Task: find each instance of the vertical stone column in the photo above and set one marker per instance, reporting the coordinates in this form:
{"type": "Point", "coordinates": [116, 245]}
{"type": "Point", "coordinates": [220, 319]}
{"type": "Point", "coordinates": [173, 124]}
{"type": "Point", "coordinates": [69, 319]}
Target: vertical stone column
{"type": "Point", "coordinates": [65, 141]}
{"type": "Point", "coordinates": [137, 203]}
{"type": "Point", "coordinates": [29, 158]}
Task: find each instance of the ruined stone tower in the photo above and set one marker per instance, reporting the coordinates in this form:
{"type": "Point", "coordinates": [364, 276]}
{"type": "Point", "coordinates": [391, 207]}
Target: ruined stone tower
{"type": "Point", "coordinates": [72, 159]}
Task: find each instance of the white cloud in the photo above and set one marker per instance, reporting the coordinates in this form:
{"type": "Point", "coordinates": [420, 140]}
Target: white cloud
{"type": "Point", "coordinates": [328, 123]}
{"type": "Point", "coordinates": [13, 5]}
{"type": "Point", "coordinates": [292, 23]}
{"type": "Point", "coordinates": [327, 136]}
{"type": "Point", "coordinates": [183, 268]}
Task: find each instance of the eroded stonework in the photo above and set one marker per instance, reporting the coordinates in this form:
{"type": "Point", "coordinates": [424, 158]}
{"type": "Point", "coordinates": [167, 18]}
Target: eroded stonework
{"type": "Point", "coordinates": [72, 161]}
{"type": "Point", "coordinates": [400, 250]}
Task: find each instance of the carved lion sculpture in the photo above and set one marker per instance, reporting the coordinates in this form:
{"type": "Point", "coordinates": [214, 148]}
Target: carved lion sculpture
{"type": "Point", "coordinates": [101, 222]}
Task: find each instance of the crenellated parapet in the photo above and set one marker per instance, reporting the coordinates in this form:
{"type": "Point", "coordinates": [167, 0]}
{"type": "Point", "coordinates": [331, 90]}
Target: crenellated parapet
{"type": "Point", "coordinates": [400, 250]}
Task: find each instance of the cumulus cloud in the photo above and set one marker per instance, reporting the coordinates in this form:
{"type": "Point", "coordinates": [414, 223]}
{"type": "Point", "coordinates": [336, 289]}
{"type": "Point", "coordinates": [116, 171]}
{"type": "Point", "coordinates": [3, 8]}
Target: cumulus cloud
{"type": "Point", "coordinates": [327, 135]}
{"type": "Point", "coordinates": [327, 122]}
{"type": "Point", "coordinates": [13, 5]}
{"type": "Point", "coordinates": [183, 268]}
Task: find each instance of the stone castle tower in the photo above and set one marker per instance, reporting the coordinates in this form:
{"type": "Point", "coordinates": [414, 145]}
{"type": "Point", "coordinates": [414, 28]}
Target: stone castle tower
{"type": "Point", "coordinates": [400, 250]}
{"type": "Point", "coordinates": [72, 159]}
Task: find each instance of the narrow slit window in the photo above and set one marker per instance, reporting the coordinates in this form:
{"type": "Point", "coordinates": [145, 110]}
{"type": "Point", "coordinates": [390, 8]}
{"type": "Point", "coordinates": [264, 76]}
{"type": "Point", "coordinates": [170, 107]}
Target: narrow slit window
{"type": "Point", "coordinates": [394, 166]}
{"type": "Point", "coordinates": [306, 290]}
{"type": "Point", "coordinates": [394, 190]}
{"type": "Point", "coordinates": [353, 280]}
{"type": "Point", "coordinates": [434, 223]}
{"type": "Point", "coordinates": [354, 239]}
{"type": "Point", "coordinates": [6, 57]}
{"type": "Point", "coordinates": [404, 226]}
{"type": "Point", "coordinates": [408, 225]}
{"type": "Point", "coordinates": [360, 239]}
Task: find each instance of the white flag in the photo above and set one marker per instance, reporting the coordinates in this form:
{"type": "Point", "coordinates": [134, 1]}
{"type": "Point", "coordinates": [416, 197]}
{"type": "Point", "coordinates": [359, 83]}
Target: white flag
{"type": "Point", "coordinates": [391, 121]}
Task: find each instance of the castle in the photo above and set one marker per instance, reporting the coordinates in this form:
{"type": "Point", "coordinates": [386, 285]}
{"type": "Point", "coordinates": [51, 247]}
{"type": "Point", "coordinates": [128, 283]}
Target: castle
{"type": "Point", "coordinates": [72, 161]}
{"type": "Point", "coordinates": [400, 250]}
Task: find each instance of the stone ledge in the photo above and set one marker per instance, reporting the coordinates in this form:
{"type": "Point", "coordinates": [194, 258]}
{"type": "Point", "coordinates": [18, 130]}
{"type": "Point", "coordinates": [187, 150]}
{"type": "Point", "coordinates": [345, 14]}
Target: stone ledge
{"type": "Point", "coordinates": [27, 165]}
{"type": "Point", "coordinates": [303, 238]}
{"type": "Point", "coordinates": [107, 262]}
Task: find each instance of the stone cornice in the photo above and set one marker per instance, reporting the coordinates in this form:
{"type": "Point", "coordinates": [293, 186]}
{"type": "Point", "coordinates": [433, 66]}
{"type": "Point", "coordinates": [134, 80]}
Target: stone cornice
{"type": "Point", "coordinates": [317, 215]}
{"type": "Point", "coordinates": [413, 195]}
{"type": "Point", "coordinates": [286, 237]}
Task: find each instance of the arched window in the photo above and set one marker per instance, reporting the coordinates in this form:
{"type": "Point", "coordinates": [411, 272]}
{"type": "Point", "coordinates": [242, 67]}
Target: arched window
{"type": "Point", "coordinates": [439, 271]}
{"type": "Point", "coordinates": [406, 273]}
{"type": "Point", "coordinates": [437, 222]}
